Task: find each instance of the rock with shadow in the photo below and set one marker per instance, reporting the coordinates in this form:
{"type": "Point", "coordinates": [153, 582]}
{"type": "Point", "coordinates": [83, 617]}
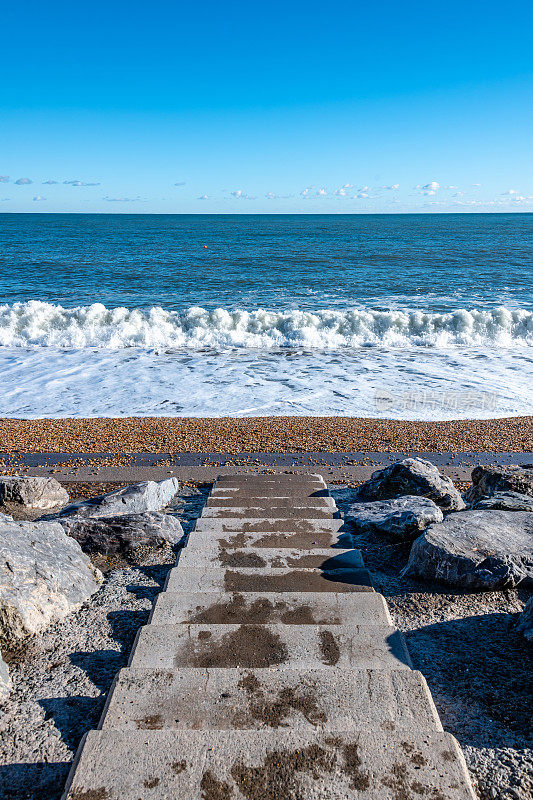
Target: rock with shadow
{"type": "Point", "coordinates": [476, 550]}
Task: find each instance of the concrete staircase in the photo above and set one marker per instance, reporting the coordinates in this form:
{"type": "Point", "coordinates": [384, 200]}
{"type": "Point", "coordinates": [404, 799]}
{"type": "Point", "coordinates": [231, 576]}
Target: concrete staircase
{"type": "Point", "coordinates": [270, 670]}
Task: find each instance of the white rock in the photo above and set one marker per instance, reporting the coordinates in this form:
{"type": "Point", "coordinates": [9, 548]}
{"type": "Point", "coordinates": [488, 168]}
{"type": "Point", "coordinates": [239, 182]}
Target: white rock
{"type": "Point", "coordinates": [44, 575]}
{"type": "Point", "coordinates": [33, 493]}
{"type": "Point", "coordinates": [5, 680]}
{"type": "Point", "coordinates": [402, 517]}
{"type": "Point", "coordinates": [136, 499]}
{"type": "Point", "coordinates": [476, 550]}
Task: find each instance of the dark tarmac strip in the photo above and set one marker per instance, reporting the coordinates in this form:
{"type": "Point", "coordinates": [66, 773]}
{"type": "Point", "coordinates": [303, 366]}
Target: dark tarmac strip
{"type": "Point", "coordinates": [352, 466]}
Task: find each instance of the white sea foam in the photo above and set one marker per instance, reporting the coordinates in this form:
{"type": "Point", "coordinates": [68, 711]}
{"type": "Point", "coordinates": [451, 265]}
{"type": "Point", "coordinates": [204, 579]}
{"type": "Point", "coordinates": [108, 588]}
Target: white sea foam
{"type": "Point", "coordinates": [38, 324]}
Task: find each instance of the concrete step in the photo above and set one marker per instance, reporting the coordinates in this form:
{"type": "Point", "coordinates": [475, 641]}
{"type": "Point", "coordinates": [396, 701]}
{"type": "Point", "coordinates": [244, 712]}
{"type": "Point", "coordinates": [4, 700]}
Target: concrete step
{"type": "Point", "coordinates": [229, 699]}
{"type": "Point", "coordinates": [292, 608]}
{"type": "Point", "coordinates": [203, 539]}
{"type": "Point", "coordinates": [311, 492]}
{"type": "Point", "coordinates": [269, 765]}
{"type": "Point", "coordinates": [269, 511]}
{"type": "Point", "coordinates": [264, 501]}
{"type": "Point", "coordinates": [299, 646]}
{"type": "Point", "coordinates": [216, 557]}
{"type": "Point", "coordinates": [287, 478]}
{"type": "Point", "coordinates": [182, 579]}
{"type": "Point", "coordinates": [269, 525]}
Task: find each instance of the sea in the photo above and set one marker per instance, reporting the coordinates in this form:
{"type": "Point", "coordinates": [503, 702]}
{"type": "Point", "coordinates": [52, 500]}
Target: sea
{"type": "Point", "coordinates": [421, 317]}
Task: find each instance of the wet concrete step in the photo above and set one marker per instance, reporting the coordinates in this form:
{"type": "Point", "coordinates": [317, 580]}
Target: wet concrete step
{"type": "Point", "coordinates": [230, 699]}
{"type": "Point", "coordinates": [269, 765]}
{"type": "Point", "coordinates": [269, 525]}
{"type": "Point", "coordinates": [209, 538]}
{"type": "Point", "coordinates": [269, 511]}
{"type": "Point", "coordinates": [216, 557]}
{"type": "Point", "coordinates": [311, 646]}
{"type": "Point", "coordinates": [291, 608]}
{"type": "Point", "coordinates": [263, 501]}
{"type": "Point", "coordinates": [192, 579]}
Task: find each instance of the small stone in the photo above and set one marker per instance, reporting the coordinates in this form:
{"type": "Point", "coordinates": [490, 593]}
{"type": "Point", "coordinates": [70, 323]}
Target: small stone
{"type": "Point", "coordinates": [402, 517]}
{"type": "Point", "coordinates": [33, 493]}
{"type": "Point", "coordinates": [5, 681]}
{"type": "Point", "coordinates": [525, 621]}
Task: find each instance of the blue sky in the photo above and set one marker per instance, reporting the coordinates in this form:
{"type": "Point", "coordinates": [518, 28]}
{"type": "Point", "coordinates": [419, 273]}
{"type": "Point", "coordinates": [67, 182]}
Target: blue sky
{"type": "Point", "coordinates": [243, 107]}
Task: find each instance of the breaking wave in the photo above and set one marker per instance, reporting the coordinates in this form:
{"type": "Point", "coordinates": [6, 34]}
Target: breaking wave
{"type": "Point", "coordinates": [38, 324]}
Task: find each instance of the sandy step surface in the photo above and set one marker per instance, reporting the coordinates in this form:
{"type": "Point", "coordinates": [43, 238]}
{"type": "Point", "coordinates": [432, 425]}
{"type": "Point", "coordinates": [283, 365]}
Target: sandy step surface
{"type": "Point", "coordinates": [270, 558]}
{"type": "Point", "coordinates": [312, 646]}
{"type": "Point", "coordinates": [299, 524]}
{"type": "Point", "coordinates": [199, 579]}
{"type": "Point", "coordinates": [291, 608]}
{"type": "Point", "coordinates": [222, 699]}
{"type": "Point", "coordinates": [270, 765]}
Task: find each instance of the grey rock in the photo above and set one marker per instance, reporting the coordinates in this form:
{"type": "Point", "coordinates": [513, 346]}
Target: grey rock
{"type": "Point", "coordinates": [505, 501]}
{"type": "Point", "coordinates": [124, 534]}
{"type": "Point", "coordinates": [525, 622]}
{"type": "Point", "coordinates": [476, 550]}
{"type": "Point", "coordinates": [486, 481]}
{"type": "Point", "coordinates": [136, 499]}
{"type": "Point", "coordinates": [412, 476]}
{"type": "Point", "coordinates": [43, 577]}
{"type": "Point", "coordinates": [402, 517]}
{"type": "Point", "coordinates": [33, 493]}
{"type": "Point", "coordinates": [5, 680]}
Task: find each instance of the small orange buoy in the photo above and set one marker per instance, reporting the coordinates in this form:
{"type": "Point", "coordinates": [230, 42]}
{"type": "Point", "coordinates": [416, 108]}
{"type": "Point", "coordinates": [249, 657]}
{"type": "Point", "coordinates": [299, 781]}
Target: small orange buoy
{"type": "Point", "coordinates": [205, 247]}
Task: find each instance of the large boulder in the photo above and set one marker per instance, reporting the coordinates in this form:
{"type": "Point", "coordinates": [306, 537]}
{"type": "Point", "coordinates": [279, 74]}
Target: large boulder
{"type": "Point", "coordinates": [486, 481]}
{"type": "Point", "coordinates": [525, 621]}
{"type": "Point", "coordinates": [412, 476]}
{"type": "Point", "coordinates": [136, 499]}
{"type": "Point", "coordinates": [505, 501]}
{"type": "Point", "coordinates": [402, 517]}
{"type": "Point", "coordinates": [123, 535]}
{"type": "Point", "coordinates": [5, 681]}
{"type": "Point", "coordinates": [40, 494]}
{"type": "Point", "coordinates": [476, 550]}
{"type": "Point", "coordinates": [43, 577]}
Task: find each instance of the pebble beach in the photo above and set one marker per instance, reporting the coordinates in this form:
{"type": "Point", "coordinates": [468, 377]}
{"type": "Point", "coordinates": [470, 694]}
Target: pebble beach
{"type": "Point", "coordinates": [263, 434]}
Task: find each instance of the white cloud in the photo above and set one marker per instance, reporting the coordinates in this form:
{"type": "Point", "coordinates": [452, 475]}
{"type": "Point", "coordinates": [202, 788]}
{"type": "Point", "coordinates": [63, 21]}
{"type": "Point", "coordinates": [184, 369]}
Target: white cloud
{"type": "Point", "coordinates": [347, 185]}
{"type": "Point", "coordinates": [121, 199]}
{"type": "Point", "coordinates": [362, 195]}
{"type": "Point", "coordinates": [79, 183]}
{"type": "Point", "coordinates": [23, 181]}
{"type": "Point", "coordinates": [271, 196]}
{"type": "Point", "coordinates": [510, 192]}
{"type": "Point", "coordinates": [240, 195]}
{"type": "Point", "coordinates": [428, 188]}
{"type": "Point", "coordinates": [204, 197]}
{"type": "Point", "coordinates": [341, 192]}
{"type": "Point", "coordinates": [4, 178]}
{"type": "Point", "coordinates": [38, 198]}
{"type": "Point", "coordinates": [180, 183]}
{"type": "Point", "coordinates": [365, 189]}
{"type": "Point", "coordinates": [393, 187]}
{"type": "Point", "coordinates": [321, 192]}
{"type": "Point", "coordinates": [476, 184]}
{"type": "Point", "coordinates": [306, 192]}
{"type": "Point", "coordinates": [49, 182]}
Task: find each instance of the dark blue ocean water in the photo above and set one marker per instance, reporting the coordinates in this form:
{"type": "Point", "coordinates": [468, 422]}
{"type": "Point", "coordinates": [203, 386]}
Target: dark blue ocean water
{"type": "Point", "coordinates": [410, 316]}
{"type": "Point", "coordinates": [436, 262]}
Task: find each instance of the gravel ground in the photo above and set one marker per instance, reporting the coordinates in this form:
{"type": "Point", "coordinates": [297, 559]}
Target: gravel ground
{"type": "Point", "coordinates": [478, 669]}
{"type": "Point", "coordinates": [262, 434]}
{"type": "Point", "coordinates": [62, 678]}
